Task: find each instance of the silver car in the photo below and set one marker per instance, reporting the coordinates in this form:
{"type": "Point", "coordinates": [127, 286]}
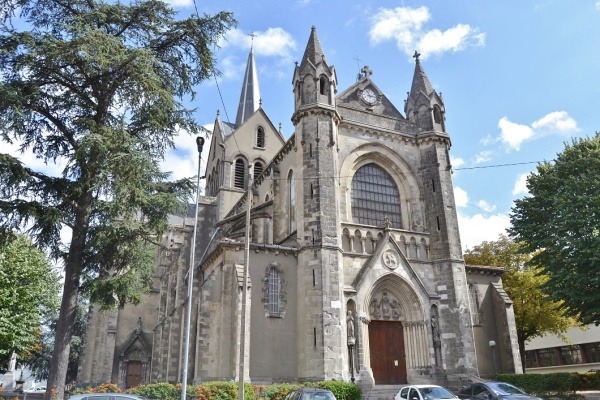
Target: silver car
{"type": "Point", "coordinates": [424, 392]}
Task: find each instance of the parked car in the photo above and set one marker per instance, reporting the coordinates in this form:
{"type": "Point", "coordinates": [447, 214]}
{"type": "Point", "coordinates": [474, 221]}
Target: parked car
{"type": "Point", "coordinates": [494, 391]}
{"type": "Point", "coordinates": [106, 396]}
{"type": "Point", "coordinates": [309, 394]}
{"type": "Point", "coordinates": [424, 392]}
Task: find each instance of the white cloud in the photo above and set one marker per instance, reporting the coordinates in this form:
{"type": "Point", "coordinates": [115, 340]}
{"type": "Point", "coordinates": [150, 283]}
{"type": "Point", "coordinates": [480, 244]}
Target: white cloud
{"type": "Point", "coordinates": [598, 5]}
{"type": "Point", "coordinates": [478, 228]}
{"type": "Point", "coordinates": [487, 140]}
{"type": "Point", "coordinates": [460, 197]}
{"type": "Point", "coordinates": [406, 26]}
{"type": "Point", "coordinates": [274, 42]}
{"type": "Point", "coordinates": [554, 123]}
{"type": "Point", "coordinates": [557, 121]}
{"type": "Point", "coordinates": [29, 159]}
{"type": "Point", "coordinates": [483, 156]}
{"type": "Point", "coordinates": [485, 206]}
{"type": "Point", "coordinates": [456, 162]}
{"type": "Point", "coordinates": [520, 185]}
{"type": "Point", "coordinates": [180, 3]}
{"type": "Point", "coordinates": [514, 134]}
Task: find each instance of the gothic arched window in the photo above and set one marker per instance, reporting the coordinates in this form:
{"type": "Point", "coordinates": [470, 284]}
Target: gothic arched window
{"type": "Point", "coordinates": [240, 174]}
{"type": "Point", "coordinates": [258, 169]}
{"type": "Point", "coordinates": [374, 197]}
{"type": "Point", "coordinates": [474, 303]}
{"type": "Point", "coordinates": [260, 137]}
{"type": "Point", "coordinates": [323, 85]}
{"type": "Point", "coordinates": [274, 287]}
{"type": "Point", "coordinates": [291, 202]}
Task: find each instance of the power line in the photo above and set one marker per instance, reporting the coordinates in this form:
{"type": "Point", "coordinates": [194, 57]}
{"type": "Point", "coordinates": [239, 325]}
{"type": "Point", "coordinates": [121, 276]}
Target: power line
{"type": "Point", "coordinates": [501, 165]}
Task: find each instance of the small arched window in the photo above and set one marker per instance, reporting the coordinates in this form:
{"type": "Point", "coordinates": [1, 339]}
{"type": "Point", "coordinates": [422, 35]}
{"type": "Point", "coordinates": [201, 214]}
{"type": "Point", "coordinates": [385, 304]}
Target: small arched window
{"type": "Point", "coordinates": [323, 85]}
{"type": "Point", "coordinates": [274, 287]}
{"type": "Point", "coordinates": [437, 115]}
{"type": "Point", "coordinates": [291, 202]}
{"type": "Point", "coordinates": [240, 174]}
{"type": "Point", "coordinates": [474, 303]}
{"type": "Point", "coordinates": [258, 169]}
{"type": "Point", "coordinates": [260, 137]}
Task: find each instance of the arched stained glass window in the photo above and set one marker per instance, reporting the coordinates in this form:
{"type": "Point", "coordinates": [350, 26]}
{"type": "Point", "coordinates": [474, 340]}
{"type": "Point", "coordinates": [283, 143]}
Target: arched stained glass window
{"type": "Point", "coordinates": [374, 197]}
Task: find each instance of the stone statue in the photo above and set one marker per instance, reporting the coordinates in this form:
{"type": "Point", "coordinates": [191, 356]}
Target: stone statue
{"type": "Point", "coordinates": [395, 306]}
{"type": "Point", "coordinates": [435, 331]}
{"type": "Point", "coordinates": [385, 305]}
{"type": "Point", "coordinates": [138, 329]}
{"type": "Point", "coordinates": [350, 324]}
{"type": "Point", "coordinates": [374, 308]}
{"type": "Point", "coordinates": [12, 363]}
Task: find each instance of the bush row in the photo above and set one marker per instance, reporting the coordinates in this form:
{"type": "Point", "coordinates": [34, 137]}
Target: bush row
{"type": "Point", "coordinates": [559, 384]}
{"type": "Point", "coordinates": [229, 390]}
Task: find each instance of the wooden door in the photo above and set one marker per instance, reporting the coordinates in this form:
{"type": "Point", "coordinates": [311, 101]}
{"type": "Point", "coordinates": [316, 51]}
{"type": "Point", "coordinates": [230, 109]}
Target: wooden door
{"type": "Point", "coordinates": [388, 359]}
{"type": "Point", "coordinates": [134, 374]}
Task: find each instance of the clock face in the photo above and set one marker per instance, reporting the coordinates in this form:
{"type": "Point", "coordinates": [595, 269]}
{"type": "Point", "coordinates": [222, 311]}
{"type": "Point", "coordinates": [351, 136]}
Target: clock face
{"type": "Point", "coordinates": [369, 96]}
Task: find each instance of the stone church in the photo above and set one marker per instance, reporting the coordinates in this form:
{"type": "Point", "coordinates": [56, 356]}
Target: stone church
{"type": "Point", "coordinates": [355, 268]}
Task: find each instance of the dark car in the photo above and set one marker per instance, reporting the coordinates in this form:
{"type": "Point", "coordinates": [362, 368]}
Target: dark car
{"type": "Point", "coordinates": [494, 391]}
{"type": "Point", "coordinates": [310, 394]}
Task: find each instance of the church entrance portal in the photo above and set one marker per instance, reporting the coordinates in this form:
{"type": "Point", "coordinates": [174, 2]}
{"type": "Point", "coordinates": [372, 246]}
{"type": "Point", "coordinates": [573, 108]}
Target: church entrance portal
{"type": "Point", "coordinates": [134, 374]}
{"type": "Point", "coordinates": [388, 358]}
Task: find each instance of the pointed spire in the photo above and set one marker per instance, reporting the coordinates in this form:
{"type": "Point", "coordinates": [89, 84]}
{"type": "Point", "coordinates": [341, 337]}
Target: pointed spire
{"type": "Point", "coordinates": [314, 52]}
{"type": "Point", "coordinates": [420, 82]}
{"type": "Point", "coordinates": [250, 96]}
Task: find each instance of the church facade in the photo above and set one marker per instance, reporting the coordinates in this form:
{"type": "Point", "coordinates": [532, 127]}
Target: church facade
{"type": "Point", "coordinates": [355, 268]}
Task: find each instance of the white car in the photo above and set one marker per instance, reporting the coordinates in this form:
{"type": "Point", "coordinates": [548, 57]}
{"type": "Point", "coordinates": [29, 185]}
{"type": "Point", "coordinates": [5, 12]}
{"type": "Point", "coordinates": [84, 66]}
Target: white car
{"type": "Point", "coordinates": [424, 392]}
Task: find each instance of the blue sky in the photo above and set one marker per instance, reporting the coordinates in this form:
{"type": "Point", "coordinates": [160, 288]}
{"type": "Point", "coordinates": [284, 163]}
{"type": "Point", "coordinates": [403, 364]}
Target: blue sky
{"type": "Point", "coordinates": [519, 78]}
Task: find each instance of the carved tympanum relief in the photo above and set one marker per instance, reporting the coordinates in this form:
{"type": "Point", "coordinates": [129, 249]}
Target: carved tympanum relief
{"type": "Point", "coordinates": [385, 306]}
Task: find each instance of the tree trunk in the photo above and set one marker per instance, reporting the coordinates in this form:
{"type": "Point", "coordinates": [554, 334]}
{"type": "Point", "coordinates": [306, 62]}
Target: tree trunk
{"type": "Point", "coordinates": [68, 311]}
{"type": "Point", "coordinates": [522, 351]}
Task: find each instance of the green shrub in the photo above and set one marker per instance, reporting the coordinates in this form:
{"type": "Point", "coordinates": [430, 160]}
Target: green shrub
{"type": "Point", "coordinates": [342, 390]}
{"type": "Point", "coordinates": [158, 391]}
{"type": "Point", "coordinates": [277, 391]}
{"type": "Point", "coordinates": [559, 384]}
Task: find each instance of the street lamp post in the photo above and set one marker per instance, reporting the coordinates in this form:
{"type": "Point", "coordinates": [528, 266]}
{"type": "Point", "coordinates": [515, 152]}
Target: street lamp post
{"type": "Point", "coordinates": [188, 317]}
{"type": "Point", "coordinates": [493, 346]}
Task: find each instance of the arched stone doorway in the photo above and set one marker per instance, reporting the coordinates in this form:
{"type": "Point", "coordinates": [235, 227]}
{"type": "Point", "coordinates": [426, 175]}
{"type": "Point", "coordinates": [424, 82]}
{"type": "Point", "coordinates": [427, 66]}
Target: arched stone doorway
{"type": "Point", "coordinates": [397, 337]}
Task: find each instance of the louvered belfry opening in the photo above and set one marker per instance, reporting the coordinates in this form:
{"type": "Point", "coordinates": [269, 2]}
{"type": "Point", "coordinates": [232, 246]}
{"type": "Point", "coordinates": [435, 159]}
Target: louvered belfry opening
{"type": "Point", "coordinates": [240, 174]}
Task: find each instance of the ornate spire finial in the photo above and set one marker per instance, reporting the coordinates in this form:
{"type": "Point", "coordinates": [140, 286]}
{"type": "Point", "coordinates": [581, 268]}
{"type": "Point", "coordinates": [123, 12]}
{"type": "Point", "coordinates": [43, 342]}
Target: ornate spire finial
{"type": "Point", "coordinates": [416, 55]}
{"type": "Point", "coordinates": [252, 36]}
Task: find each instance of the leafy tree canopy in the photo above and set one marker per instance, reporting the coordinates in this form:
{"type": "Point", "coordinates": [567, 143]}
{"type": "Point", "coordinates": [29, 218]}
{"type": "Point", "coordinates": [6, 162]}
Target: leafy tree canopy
{"type": "Point", "coordinates": [29, 292]}
{"type": "Point", "coordinates": [560, 222]}
{"type": "Point", "coordinates": [535, 312]}
{"type": "Point", "coordinates": [98, 86]}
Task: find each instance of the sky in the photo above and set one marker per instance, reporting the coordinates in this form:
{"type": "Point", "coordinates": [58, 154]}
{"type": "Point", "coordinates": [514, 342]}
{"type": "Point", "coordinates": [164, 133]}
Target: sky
{"type": "Point", "coordinates": [518, 78]}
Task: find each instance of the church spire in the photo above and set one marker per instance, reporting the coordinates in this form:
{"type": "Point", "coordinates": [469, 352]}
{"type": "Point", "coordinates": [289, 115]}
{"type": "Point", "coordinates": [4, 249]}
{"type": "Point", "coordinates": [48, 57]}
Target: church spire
{"type": "Point", "coordinates": [420, 83]}
{"type": "Point", "coordinates": [250, 96]}
{"type": "Point", "coordinates": [314, 52]}
{"type": "Point", "coordinates": [424, 106]}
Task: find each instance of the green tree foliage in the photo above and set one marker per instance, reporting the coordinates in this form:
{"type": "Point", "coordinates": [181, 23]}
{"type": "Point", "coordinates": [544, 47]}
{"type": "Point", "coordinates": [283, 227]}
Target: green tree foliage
{"type": "Point", "coordinates": [29, 292]}
{"type": "Point", "coordinates": [560, 222]}
{"type": "Point", "coordinates": [98, 86]}
{"type": "Point", "coordinates": [535, 312]}
{"type": "Point", "coordinates": [39, 360]}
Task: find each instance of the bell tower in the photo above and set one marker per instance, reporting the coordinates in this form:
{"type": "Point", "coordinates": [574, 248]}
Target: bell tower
{"type": "Point", "coordinates": [320, 273]}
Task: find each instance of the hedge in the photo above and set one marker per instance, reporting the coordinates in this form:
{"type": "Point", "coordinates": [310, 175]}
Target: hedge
{"type": "Point", "coordinates": [559, 384]}
{"type": "Point", "coordinates": [222, 390]}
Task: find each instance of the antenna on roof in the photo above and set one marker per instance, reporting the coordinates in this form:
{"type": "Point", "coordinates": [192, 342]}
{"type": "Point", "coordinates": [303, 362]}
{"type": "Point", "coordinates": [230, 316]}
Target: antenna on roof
{"type": "Point", "coordinates": [359, 75]}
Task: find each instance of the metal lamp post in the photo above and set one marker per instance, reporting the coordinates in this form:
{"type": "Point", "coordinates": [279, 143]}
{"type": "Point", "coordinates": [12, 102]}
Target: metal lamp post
{"type": "Point", "coordinates": [188, 317]}
{"type": "Point", "coordinates": [493, 346]}
{"type": "Point", "coordinates": [351, 342]}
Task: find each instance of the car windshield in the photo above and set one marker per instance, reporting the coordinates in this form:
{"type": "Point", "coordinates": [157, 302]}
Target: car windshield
{"type": "Point", "coordinates": [318, 396]}
{"type": "Point", "coordinates": [430, 393]}
{"type": "Point", "coordinates": [504, 388]}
